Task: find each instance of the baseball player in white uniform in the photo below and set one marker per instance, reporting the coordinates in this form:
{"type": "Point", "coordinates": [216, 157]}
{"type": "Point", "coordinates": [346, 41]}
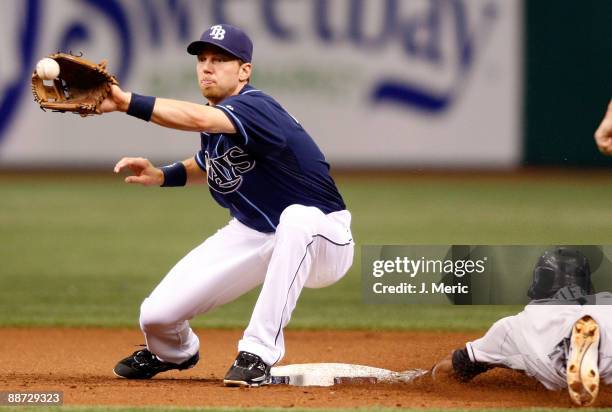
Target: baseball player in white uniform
{"type": "Point", "coordinates": [289, 229]}
{"type": "Point", "coordinates": [563, 338]}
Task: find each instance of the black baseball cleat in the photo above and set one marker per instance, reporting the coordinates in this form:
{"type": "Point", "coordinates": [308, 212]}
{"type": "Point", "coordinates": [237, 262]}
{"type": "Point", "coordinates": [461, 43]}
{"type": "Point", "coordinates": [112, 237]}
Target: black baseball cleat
{"type": "Point", "coordinates": [247, 370]}
{"type": "Point", "coordinates": [143, 364]}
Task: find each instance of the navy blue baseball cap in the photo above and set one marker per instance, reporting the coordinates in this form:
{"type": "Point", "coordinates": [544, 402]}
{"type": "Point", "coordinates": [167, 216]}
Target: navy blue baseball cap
{"type": "Point", "coordinates": [229, 38]}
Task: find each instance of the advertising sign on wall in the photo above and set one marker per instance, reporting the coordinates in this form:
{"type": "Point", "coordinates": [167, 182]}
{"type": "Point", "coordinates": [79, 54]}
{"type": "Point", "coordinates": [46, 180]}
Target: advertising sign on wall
{"type": "Point", "coordinates": [386, 83]}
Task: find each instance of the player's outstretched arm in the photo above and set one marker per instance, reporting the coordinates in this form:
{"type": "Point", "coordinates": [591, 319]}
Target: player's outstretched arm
{"type": "Point", "coordinates": [116, 101]}
{"type": "Point", "coordinates": [443, 369]}
{"type": "Point", "coordinates": [143, 171]}
{"type": "Point", "coordinates": [146, 174]}
{"type": "Point", "coordinates": [458, 366]}
{"type": "Point", "coordinates": [175, 114]}
{"type": "Point", "coordinates": [603, 134]}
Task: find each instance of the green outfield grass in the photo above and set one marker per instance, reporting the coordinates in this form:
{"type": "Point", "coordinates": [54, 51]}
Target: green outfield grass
{"type": "Point", "coordinates": [85, 251]}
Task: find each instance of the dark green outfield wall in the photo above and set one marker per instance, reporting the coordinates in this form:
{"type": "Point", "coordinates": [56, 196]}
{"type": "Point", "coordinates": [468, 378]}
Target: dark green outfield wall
{"type": "Point", "coordinates": [568, 80]}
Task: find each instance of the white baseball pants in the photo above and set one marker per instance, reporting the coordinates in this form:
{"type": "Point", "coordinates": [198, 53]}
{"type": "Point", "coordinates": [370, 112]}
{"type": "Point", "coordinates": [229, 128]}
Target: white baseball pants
{"type": "Point", "coordinates": [308, 249]}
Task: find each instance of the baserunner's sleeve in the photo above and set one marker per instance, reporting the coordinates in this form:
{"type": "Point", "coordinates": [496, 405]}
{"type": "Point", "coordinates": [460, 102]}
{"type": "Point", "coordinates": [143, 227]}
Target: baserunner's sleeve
{"type": "Point", "coordinates": [497, 346]}
{"type": "Point", "coordinates": [261, 124]}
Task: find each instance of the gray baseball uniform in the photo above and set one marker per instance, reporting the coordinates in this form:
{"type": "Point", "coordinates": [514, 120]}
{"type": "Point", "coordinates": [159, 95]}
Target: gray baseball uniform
{"type": "Point", "coordinates": [536, 340]}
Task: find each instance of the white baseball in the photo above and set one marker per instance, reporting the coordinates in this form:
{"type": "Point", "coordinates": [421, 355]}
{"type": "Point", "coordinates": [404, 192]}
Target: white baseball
{"type": "Point", "coordinates": [47, 69]}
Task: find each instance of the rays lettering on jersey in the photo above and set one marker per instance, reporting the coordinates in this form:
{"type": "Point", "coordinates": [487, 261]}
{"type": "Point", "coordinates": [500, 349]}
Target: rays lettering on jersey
{"type": "Point", "coordinates": [225, 172]}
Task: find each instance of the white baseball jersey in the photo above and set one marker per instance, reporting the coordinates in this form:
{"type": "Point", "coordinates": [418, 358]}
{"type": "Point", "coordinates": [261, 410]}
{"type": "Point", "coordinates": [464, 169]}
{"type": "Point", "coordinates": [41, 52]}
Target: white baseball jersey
{"type": "Point", "coordinates": [537, 339]}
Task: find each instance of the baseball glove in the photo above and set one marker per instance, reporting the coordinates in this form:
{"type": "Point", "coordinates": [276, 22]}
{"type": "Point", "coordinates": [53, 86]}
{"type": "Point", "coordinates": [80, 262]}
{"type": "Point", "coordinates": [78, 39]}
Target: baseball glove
{"type": "Point", "coordinates": [80, 87]}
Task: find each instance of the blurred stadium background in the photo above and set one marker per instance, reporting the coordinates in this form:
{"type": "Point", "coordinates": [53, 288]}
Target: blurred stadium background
{"type": "Point", "coordinates": [445, 121]}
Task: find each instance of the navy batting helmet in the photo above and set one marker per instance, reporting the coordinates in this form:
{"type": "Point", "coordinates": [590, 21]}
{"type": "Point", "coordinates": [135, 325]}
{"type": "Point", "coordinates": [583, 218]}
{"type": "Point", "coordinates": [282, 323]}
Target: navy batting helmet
{"type": "Point", "coordinates": [558, 268]}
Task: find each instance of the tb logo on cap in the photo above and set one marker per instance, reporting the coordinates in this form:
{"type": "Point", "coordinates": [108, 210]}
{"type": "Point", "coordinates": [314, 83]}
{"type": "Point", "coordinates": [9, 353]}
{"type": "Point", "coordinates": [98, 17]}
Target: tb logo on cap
{"type": "Point", "coordinates": [217, 32]}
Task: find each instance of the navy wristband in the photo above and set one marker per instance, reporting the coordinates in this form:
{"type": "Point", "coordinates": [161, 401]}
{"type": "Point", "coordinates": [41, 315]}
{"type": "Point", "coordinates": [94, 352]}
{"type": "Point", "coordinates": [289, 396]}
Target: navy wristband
{"type": "Point", "coordinates": [174, 175]}
{"type": "Point", "coordinates": [141, 106]}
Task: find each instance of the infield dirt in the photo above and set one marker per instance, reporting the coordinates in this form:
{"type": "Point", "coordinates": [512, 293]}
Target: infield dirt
{"type": "Point", "coordinates": [79, 362]}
